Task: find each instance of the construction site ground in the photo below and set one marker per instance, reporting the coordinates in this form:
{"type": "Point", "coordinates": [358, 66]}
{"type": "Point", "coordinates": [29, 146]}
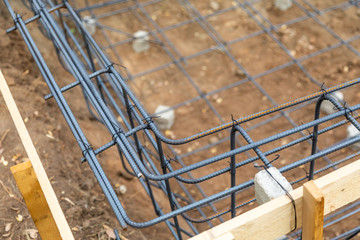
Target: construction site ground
{"type": "Point", "coordinates": [85, 207]}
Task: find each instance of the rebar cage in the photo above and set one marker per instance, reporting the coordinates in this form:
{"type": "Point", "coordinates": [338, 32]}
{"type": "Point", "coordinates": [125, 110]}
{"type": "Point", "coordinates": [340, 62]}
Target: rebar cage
{"type": "Point", "coordinates": [246, 104]}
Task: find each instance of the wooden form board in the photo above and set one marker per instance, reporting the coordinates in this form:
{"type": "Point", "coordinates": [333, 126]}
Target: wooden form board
{"type": "Point", "coordinates": [56, 212]}
{"type": "Point", "coordinates": [276, 218]}
{"type": "Point", "coordinates": [313, 212]}
{"type": "Point", "coordinates": [34, 197]}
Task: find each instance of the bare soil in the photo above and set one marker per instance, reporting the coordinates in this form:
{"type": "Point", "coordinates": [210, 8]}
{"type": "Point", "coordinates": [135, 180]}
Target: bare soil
{"type": "Point", "coordinates": [81, 199]}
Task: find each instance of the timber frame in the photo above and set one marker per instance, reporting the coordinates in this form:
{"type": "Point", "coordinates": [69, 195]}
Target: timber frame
{"type": "Point", "coordinates": [277, 218]}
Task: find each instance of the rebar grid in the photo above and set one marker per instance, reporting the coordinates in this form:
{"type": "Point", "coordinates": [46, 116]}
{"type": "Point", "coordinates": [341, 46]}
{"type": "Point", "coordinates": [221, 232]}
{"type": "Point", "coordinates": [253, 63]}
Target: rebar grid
{"type": "Point", "coordinates": [150, 155]}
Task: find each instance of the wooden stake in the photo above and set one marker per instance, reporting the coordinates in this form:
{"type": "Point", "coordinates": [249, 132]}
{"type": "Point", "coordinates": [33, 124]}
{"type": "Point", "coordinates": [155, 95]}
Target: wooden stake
{"type": "Point", "coordinates": [313, 212]}
{"type": "Point", "coordinates": [55, 210]}
{"type": "Point", "coordinates": [34, 197]}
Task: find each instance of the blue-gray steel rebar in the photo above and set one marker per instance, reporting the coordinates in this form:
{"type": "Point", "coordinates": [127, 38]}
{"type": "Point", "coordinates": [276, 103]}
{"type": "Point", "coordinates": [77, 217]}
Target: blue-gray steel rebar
{"type": "Point", "coordinates": [109, 95]}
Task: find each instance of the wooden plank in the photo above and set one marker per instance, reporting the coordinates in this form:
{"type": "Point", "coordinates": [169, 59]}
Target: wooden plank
{"type": "Point", "coordinates": [313, 212]}
{"type": "Point", "coordinates": [57, 213]}
{"type": "Point", "coordinates": [276, 218]}
{"type": "Point", "coordinates": [30, 189]}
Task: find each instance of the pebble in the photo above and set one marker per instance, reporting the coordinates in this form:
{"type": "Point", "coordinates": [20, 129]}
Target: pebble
{"type": "Point", "coordinates": [122, 189]}
{"type": "Point", "coordinates": [213, 140]}
{"type": "Point", "coordinates": [166, 117]}
{"type": "Point", "coordinates": [213, 150]}
{"type": "Point", "coordinates": [352, 131]}
{"type": "Point", "coordinates": [8, 227]}
{"type": "Point", "coordinates": [283, 5]}
{"type": "Point", "coordinates": [239, 73]}
{"type": "Point", "coordinates": [328, 107]}
{"type": "Point", "coordinates": [170, 134]}
{"type": "Point", "coordinates": [214, 5]}
{"type": "Point", "coordinates": [19, 218]}
{"type": "Point", "coordinates": [89, 24]}
{"type": "Point", "coordinates": [141, 41]}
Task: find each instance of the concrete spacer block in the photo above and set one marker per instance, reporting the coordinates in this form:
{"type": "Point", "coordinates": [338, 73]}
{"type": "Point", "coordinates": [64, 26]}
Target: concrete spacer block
{"type": "Point", "coordinates": [89, 24]}
{"type": "Point", "coordinates": [141, 41]}
{"type": "Point", "coordinates": [266, 188]}
{"type": "Point", "coordinates": [283, 5]}
{"type": "Point", "coordinates": [328, 107]}
{"type": "Point", "coordinates": [352, 131]}
{"type": "Point", "coordinates": [166, 117]}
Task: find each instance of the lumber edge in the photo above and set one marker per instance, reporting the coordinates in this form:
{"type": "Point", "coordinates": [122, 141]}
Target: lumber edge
{"type": "Point", "coordinates": [276, 218]}
{"type": "Point", "coordinates": [33, 195]}
{"type": "Point", "coordinates": [313, 212]}
{"type": "Point", "coordinates": [39, 170]}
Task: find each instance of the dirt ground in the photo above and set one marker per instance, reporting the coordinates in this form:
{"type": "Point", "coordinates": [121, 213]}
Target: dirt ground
{"type": "Point", "coordinates": [81, 199]}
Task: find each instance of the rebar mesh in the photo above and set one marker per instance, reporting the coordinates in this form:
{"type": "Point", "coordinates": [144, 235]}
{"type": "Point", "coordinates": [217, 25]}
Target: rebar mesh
{"type": "Point", "coordinates": [233, 120]}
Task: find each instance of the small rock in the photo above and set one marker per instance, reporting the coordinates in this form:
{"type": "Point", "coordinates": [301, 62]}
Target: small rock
{"type": "Point", "coordinates": [69, 201]}
{"type": "Point", "coordinates": [119, 119]}
{"type": "Point", "coordinates": [283, 5]}
{"type": "Point", "coordinates": [19, 218]}
{"type": "Point", "coordinates": [5, 163]}
{"type": "Point", "coordinates": [170, 134]}
{"type": "Point", "coordinates": [200, 35]}
{"type": "Point", "coordinates": [177, 151]}
{"type": "Point", "coordinates": [122, 189]}
{"type": "Point", "coordinates": [8, 227]}
{"type": "Point", "coordinates": [352, 131]}
{"type": "Point", "coordinates": [239, 73]}
{"type": "Point", "coordinates": [214, 5]}
{"type": "Point", "coordinates": [6, 234]}
{"type": "Point", "coordinates": [110, 233]}
{"type": "Point", "coordinates": [26, 72]}
{"type": "Point", "coordinates": [328, 107]}
{"type": "Point", "coordinates": [213, 140]}
{"type": "Point", "coordinates": [32, 233]}
{"type": "Point", "coordinates": [89, 24]}
{"type": "Point", "coordinates": [219, 100]}
{"type": "Point", "coordinates": [283, 162]}
{"type": "Point", "coordinates": [141, 41]}
{"type": "Point", "coordinates": [166, 117]}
